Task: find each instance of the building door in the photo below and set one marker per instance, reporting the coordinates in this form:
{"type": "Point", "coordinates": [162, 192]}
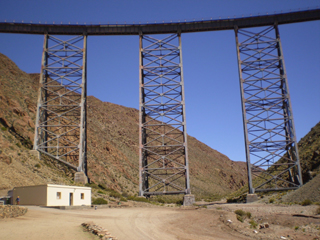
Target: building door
{"type": "Point", "coordinates": [71, 199]}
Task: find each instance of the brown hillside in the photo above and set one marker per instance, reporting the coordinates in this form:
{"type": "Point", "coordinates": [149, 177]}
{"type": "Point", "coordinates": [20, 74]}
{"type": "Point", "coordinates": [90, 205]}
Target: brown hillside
{"type": "Point", "coordinates": [112, 144]}
{"type": "Point", "coordinates": [309, 153]}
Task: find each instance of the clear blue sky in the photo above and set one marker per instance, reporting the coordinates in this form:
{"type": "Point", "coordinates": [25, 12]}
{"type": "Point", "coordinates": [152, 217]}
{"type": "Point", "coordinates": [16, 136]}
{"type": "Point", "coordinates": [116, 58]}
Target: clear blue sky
{"type": "Point", "coordinates": [213, 106]}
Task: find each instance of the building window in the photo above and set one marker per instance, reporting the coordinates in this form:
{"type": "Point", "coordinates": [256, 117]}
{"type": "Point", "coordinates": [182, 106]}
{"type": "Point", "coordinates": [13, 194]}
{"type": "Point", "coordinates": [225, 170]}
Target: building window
{"type": "Point", "coordinates": [82, 195]}
{"type": "Point", "coordinates": [58, 195]}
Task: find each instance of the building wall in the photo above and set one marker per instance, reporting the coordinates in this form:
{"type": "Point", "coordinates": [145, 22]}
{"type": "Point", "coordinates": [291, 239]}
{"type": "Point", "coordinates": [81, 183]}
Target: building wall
{"type": "Point", "coordinates": [31, 195]}
{"type": "Point", "coordinates": [47, 195]}
{"type": "Point", "coordinates": [59, 195]}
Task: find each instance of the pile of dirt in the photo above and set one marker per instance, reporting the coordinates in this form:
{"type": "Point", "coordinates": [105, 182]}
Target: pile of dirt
{"type": "Point", "coordinates": [309, 191]}
{"type": "Point", "coordinates": [9, 211]}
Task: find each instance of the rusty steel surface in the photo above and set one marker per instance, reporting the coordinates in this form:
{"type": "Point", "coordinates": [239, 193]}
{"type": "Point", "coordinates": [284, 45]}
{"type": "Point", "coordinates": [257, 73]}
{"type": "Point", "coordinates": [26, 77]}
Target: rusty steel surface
{"type": "Point", "coordinates": [271, 146]}
{"type": "Point", "coordinates": [163, 137]}
{"type": "Point", "coordinates": [168, 27]}
{"type": "Point", "coordinates": [60, 130]}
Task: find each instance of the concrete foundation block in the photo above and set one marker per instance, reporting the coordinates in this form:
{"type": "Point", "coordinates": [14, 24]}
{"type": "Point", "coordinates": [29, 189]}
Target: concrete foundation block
{"type": "Point", "coordinates": [188, 200]}
{"type": "Point", "coordinates": [252, 198]}
{"type": "Point", "coordinates": [35, 153]}
{"type": "Point", "coordinates": [80, 177]}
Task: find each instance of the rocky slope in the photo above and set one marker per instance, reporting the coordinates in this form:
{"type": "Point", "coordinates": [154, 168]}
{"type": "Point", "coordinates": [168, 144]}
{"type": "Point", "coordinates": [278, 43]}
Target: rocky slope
{"type": "Point", "coordinates": [309, 153]}
{"type": "Point", "coordinates": [112, 145]}
{"type": "Point", "coordinates": [310, 191]}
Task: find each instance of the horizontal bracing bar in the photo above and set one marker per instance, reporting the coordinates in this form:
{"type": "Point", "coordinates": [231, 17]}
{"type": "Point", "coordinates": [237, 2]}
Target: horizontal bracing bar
{"type": "Point", "coordinates": [156, 28]}
{"type": "Point", "coordinates": [60, 160]}
{"type": "Point", "coordinates": [164, 193]}
{"type": "Point", "coordinates": [276, 189]}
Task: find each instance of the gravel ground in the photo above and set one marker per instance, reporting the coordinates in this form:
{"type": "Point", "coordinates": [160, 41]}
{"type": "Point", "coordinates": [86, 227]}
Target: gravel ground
{"type": "Point", "coordinates": [145, 222]}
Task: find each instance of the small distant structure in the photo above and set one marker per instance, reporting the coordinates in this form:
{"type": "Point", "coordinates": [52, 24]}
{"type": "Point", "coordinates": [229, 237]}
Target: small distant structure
{"type": "Point", "coordinates": [52, 195]}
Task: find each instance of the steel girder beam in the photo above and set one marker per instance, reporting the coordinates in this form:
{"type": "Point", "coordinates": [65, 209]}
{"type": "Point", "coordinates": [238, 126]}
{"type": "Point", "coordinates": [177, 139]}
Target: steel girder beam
{"type": "Point", "coordinates": [161, 28]}
{"type": "Point", "coordinates": [163, 153]}
{"type": "Point", "coordinates": [61, 124]}
{"type": "Point", "coordinates": [270, 141]}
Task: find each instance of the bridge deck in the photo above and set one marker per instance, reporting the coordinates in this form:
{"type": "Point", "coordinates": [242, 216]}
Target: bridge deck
{"type": "Point", "coordinates": [184, 27]}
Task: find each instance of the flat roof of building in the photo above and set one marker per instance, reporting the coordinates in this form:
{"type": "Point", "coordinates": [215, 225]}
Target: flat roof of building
{"type": "Point", "coordinates": [54, 185]}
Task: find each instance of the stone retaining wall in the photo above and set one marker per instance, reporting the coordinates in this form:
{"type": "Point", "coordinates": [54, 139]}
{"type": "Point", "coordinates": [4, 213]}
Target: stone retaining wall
{"type": "Point", "coordinates": [9, 211]}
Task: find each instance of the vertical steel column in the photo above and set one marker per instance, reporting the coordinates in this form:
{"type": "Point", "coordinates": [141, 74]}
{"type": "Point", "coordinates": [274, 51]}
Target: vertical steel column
{"type": "Point", "coordinates": [61, 113]}
{"type": "Point", "coordinates": [42, 93]}
{"type": "Point", "coordinates": [142, 134]}
{"type": "Point", "coordinates": [244, 117]}
{"type": "Point", "coordinates": [184, 123]}
{"type": "Point", "coordinates": [271, 147]}
{"type": "Point", "coordinates": [163, 163]}
{"type": "Point", "coordinates": [82, 167]}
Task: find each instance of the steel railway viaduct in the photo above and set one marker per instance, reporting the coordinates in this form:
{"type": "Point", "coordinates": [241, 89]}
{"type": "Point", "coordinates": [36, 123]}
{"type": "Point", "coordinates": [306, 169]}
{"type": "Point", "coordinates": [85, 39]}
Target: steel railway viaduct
{"type": "Point", "coordinates": [270, 141]}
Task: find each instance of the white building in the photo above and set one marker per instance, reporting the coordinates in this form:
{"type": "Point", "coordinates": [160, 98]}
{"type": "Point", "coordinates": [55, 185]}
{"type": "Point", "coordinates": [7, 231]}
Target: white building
{"type": "Point", "coordinates": [53, 195]}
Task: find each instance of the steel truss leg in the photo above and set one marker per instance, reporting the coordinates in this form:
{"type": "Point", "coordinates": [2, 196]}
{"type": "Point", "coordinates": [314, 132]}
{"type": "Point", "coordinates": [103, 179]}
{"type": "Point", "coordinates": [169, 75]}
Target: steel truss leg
{"type": "Point", "coordinates": [61, 113]}
{"type": "Point", "coordinates": [163, 135]}
{"type": "Point", "coordinates": [271, 146]}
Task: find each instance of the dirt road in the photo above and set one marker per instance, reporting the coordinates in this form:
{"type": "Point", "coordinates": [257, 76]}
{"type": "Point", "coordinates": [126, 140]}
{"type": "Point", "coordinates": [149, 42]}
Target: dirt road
{"type": "Point", "coordinates": [149, 222]}
{"type": "Point", "coordinates": [136, 223]}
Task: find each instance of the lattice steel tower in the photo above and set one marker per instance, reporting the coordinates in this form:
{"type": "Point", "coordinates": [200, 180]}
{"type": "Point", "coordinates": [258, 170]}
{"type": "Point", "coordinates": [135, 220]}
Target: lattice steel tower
{"type": "Point", "coordinates": [271, 146]}
{"type": "Point", "coordinates": [163, 154]}
{"type": "Point", "coordinates": [61, 113]}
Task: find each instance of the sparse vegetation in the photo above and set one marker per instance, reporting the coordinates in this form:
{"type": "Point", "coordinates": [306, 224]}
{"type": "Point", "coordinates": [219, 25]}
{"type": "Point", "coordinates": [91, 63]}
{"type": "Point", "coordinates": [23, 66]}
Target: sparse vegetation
{"type": "Point", "coordinates": [3, 128]}
{"type": "Point", "coordinates": [114, 194]}
{"type": "Point", "coordinates": [229, 200]}
{"type": "Point", "coordinates": [37, 165]}
{"type": "Point", "coordinates": [99, 201]}
{"type": "Point", "coordinates": [240, 218]}
{"type": "Point", "coordinates": [102, 186]}
{"type": "Point", "coordinates": [253, 223]}
{"type": "Point", "coordinates": [180, 202]}
{"type": "Point", "coordinates": [27, 143]}
{"type": "Point", "coordinates": [215, 197]}
{"type": "Point", "coordinates": [240, 212]}
{"type": "Point", "coordinates": [306, 202]}
{"type": "Point", "coordinates": [138, 199]}
{"type": "Point", "coordinates": [123, 199]}
{"type": "Point", "coordinates": [92, 185]}
{"type": "Point", "coordinates": [296, 228]}
{"type": "Point", "coordinates": [242, 215]}
{"type": "Point", "coordinates": [271, 200]}
{"type": "Point", "coordinates": [239, 199]}
{"type": "Point", "coordinates": [160, 200]}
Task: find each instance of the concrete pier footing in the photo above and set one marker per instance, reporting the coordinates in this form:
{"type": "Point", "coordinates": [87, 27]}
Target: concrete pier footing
{"type": "Point", "coordinates": [252, 198]}
{"type": "Point", "coordinates": [80, 177]}
{"type": "Point", "coordinates": [188, 200]}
